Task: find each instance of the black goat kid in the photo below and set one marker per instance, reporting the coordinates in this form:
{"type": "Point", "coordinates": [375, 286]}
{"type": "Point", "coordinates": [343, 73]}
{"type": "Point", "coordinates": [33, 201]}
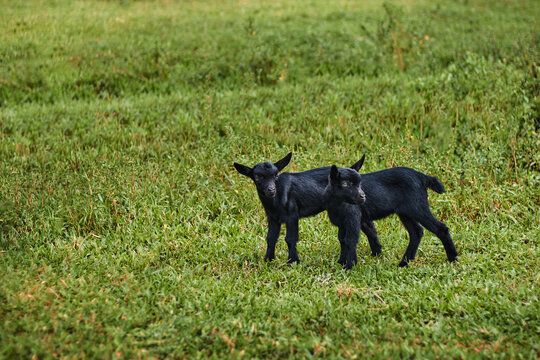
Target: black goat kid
{"type": "Point", "coordinates": [286, 198]}
{"type": "Point", "coordinates": [343, 197]}
{"type": "Point", "coordinates": [353, 201]}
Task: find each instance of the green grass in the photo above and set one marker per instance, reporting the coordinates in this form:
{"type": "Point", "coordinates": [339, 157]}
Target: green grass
{"type": "Point", "coordinates": [125, 231]}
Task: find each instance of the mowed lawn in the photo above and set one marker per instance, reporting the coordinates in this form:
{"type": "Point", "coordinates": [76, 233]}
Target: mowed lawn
{"type": "Point", "coordinates": [125, 231]}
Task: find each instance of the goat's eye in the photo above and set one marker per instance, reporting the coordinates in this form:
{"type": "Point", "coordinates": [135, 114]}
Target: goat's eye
{"type": "Point", "coordinates": [276, 176]}
{"type": "Point", "coordinates": [345, 184]}
{"type": "Point", "coordinates": [257, 177]}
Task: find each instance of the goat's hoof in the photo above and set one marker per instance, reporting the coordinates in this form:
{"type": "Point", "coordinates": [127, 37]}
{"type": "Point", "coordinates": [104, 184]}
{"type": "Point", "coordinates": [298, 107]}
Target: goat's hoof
{"type": "Point", "coordinates": [376, 253]}
{"type": "Point", "coordinates": [403, 263]}
{"type": "Point", "coordinates": [293, 261]}
{"type": "Point", "coordinates": [452, 260]}
{"type": "Point", "coordinates": [268, 259]}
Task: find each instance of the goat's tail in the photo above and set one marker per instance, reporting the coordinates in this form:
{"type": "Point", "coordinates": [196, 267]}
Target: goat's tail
{"type": "Point", "coordinates": [434, 184]}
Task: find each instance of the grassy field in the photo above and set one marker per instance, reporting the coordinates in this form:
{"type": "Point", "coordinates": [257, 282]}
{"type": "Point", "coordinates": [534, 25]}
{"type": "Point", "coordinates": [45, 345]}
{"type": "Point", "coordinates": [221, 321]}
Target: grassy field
{"type": "Point", "coordinates": [125, 231]}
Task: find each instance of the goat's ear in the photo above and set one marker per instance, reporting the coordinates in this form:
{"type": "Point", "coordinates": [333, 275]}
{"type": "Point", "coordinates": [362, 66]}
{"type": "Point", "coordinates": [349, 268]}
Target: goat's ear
{"type": "Point", "coordinates": [359, 164]}
{"type": "Point", "coordinates": [280, 164]}
{"type": "Point", "coordinates": [334, 174]}
{"type": "Point", "coordinates": [244, 170]}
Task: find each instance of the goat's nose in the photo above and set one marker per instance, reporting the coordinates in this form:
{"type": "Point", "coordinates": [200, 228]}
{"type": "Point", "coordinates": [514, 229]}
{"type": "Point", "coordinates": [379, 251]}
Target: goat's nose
{"type": "Point", "coordinates": [270, 192]}
{"type": "Point", "coordinates": [362, 197]}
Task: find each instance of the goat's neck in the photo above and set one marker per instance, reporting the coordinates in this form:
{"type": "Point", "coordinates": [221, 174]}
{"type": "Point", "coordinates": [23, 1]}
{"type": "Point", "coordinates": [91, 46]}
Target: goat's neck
{"type": "Point", "coordinates": [266, 201]}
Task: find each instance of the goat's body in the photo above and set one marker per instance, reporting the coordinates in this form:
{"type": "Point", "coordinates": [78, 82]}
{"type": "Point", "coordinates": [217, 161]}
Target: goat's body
{"type": "Point", "coordinates": [286, 198]}
{"type": "Point", "coordinates": [401, 191]}
{"type": "Point", "coordinates": [393, 191]}
{"type": "Point", "coordinates": [298, 195]}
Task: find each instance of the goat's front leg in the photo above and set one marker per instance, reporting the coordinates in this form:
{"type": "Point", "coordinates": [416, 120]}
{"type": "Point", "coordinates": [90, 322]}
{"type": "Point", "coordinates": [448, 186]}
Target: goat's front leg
{"type": "Point", "coordinates": [271, 239]}
{"type": "Point", "coordinates": [343, 254]}
{"type": "Point", "coordinates": [350, 242]}
{"type": "Point", "coordinates": [291, 238]}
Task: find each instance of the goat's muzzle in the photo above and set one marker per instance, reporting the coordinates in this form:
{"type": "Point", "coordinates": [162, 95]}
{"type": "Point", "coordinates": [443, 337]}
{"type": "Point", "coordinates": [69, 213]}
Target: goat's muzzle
{"type": "Point", "coordinates": [361, 198]}
{"type": "Point", "coordinates": [270, 192]}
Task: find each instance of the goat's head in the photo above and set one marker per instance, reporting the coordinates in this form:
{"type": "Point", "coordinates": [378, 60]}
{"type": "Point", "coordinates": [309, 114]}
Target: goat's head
{"type": "Point", "coordinates": [346, 184]}
{"type": "Point", "coordinates": [264, 175]}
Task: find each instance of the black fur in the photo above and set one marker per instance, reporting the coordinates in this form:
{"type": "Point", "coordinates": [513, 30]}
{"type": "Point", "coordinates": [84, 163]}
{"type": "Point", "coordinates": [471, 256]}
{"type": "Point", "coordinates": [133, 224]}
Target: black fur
{"type": "Point", "coordinates": [286, 198]}
{"type": "Point", "coordinates": [399, 190]}
{"type": "Point", "coordinates": [343, 197]}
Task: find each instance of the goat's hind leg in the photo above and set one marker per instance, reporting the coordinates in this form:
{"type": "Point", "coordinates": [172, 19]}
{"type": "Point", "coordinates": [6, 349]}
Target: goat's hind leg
{"type": "Point", "coordinates": [368, 228]}
{"type": "Point", "coordinates": [415, 235]}
{"type": "Point", "coordinates": [440, 229]}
